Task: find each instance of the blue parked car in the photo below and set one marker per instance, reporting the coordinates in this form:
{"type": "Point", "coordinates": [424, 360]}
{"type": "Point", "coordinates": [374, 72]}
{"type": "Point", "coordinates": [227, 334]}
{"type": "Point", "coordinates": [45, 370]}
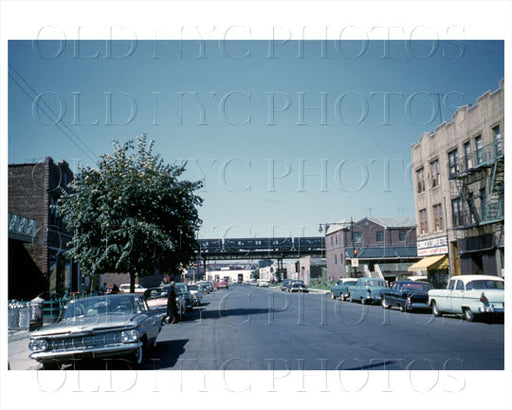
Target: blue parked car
{"type": "Point", "coordinates": [367, 290]}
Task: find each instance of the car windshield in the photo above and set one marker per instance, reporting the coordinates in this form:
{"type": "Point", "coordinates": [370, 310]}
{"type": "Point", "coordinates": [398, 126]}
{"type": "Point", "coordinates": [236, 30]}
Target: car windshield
{"type": "Point", "coordinates": [192, 287]}
{"type": "Point", "coordinates": [89, 307]}
{"type": "Point", "coordinates": [485, 284]}
{"type": "Point", "coordinates": [422, 287]}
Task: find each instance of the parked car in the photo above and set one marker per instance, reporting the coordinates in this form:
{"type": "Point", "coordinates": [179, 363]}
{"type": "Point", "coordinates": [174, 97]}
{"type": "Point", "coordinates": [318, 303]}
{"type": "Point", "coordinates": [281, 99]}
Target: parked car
{"type": "Point", "coordinates": [97, 327]}
{"type": "Point", "coordinates": [469, 295]}
{"type": "Point", "coordinates": [406, 295]}
{"type": "Point", "coordinates": [182, 289]}
{"type": "Point", "coordinates": [125, 288]}
{"type": "Point", "coordinates": [263, 284]}
{"type": "Point", "coordinates": [286, 284]}
{"type": "Point", "coordinates": [197, 294]}
{"type": "Point", "coordinates": [339, 290]}
{"type": "Point", "coordinates": [367, 290]}
{"type": "Point", "coordinates": [298, 287]}
{"type": "Point", "coordinates": [205, 286]}
{"type": "Point", "coordinates": [418, 278]}
{"type": "Point", "coordinates": [157, 300]}
{"type": "Point", "coordinates": [221, 284]}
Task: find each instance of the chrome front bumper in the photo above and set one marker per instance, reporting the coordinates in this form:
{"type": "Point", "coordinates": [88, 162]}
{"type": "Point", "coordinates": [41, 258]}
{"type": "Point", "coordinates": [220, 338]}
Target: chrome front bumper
{"type": "Point", "coordinates": [94, 352]}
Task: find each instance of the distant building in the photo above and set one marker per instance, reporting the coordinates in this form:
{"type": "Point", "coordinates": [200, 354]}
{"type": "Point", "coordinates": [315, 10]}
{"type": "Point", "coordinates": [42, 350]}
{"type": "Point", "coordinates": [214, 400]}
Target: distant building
{"type": "Point", "coordinates": [37, 238]}
{"type": "Point", "coordinates": [459, 191]}
{"type": "Point", "coordinates": [383, 247]}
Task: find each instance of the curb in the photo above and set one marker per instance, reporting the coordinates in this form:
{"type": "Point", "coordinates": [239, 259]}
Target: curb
{"type": "Point", "coordinates": [18, 335]}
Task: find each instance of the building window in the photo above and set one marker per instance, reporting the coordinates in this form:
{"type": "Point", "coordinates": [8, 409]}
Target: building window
{"type": "Point", "coordinates": [335, 259]}
{"type": "Point", "coordinates": [438, 218]}
{"type": "Point", "coordinates": [423, 221]}
{"type": "Point", "coordinates": [453, 163]}
{"type": "Point", "coordinates": [336, 239]}
{"type": "Point", "coordinates": [496, 135]}
{"type": "Point", "coordinates": [379, 236]}
{"type": "Point", "coordinates": [434, 168]}
{"type": "Point", "coordinates": [332, 241]}
{"type": "Point", "coordinates": [479, 150]}
{"type": "Point", "coordinates": [420, 176]}
{"type": "Point", "coordinates": [402, 235]}
{"type": "Point", "coordinates": [457, 212]}
{"type": "Point", "coordinates": [357, 237]}
{"type": "Point", "coordinates": [468, 158]}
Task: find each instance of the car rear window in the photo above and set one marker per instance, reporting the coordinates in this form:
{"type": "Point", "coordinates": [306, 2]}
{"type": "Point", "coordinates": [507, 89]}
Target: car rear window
{"type": "Point", "coordinates": [485, 284]}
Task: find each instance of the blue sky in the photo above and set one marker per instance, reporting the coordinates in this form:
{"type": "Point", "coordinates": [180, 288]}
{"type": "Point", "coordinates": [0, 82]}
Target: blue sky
{"type": "Point", "coordinates": [239, 113]}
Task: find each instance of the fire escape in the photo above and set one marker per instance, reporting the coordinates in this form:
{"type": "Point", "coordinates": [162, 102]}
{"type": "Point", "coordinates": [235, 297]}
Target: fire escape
{"type": "Point", "coordinates": [478, 177]}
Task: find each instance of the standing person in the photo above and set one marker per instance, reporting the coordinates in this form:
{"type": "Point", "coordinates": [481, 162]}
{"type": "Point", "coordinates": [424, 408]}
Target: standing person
{"type": "Point", "coordinates": [115, 289]}
{"type": "Point", "coordinates": [103, 289]}
{"type": "Point", "coordinates": [172, 309]}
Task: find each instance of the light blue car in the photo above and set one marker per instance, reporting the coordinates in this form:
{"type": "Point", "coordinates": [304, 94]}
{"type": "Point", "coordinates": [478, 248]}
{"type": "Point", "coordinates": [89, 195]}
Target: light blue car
{"type": "Point", "coordinates": [367, 290]}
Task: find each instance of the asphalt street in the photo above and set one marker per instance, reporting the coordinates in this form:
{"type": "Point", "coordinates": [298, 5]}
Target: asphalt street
{"type": "Point", "coordinates": [250, 328]}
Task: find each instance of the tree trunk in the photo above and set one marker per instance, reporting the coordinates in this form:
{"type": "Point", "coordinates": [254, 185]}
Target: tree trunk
{"type": "Point", "coordinates": [132, 282]}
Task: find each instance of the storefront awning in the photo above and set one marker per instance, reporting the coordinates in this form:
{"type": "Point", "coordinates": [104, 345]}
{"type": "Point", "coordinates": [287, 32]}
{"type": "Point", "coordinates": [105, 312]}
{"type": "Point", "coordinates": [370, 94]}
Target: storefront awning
{"type": "Point", "coordinates": [430, 262]}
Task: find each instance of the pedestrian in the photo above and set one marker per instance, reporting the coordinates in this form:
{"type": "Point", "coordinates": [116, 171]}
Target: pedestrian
{"type": "Point", "coordinates": [115, 289]}
{"type": "Point", "coordinates": [103, 289]}
{"type": "Point", "coordinates": [172, 309]}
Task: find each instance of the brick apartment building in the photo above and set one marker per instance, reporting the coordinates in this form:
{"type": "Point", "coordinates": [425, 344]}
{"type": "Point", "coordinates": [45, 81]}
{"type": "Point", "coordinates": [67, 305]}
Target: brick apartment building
{"type": "Point", "coordinates": [381, 246]}
{"type": "Point", "coordinates": [37, 238]}
{"type": "Point", "coordinates": [459, 190]}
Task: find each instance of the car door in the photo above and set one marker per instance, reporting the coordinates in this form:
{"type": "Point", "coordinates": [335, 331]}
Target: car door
{"type": "Point", "coordinates": [457, 296]}
{"type": "Point", "coordinates": [443, 297]}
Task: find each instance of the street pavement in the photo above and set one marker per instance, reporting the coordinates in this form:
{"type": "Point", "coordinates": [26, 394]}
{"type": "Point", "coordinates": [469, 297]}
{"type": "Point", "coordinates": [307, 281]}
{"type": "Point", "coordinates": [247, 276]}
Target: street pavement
{"type": "Point", "coordinates": [250, 328]}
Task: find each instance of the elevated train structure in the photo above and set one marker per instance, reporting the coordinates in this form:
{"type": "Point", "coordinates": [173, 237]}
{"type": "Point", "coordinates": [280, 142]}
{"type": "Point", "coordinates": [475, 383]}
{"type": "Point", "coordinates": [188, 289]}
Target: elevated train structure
{"type": "Point", "coordinates": [249, 248]}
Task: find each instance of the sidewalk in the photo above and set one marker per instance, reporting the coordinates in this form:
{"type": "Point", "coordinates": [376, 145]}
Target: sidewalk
{"type": "Point", "coordinates": [18, 351]}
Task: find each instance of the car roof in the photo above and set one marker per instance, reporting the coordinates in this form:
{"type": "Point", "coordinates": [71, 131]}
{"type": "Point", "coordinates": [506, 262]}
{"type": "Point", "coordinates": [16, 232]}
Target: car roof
{"type": "Point", "coordinates": [468, 278]}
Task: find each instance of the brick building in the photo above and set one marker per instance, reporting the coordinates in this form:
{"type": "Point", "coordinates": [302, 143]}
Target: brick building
{"type": "Point", "coordinates": [37, 238]}
{"type": "Point", "coordinates": [370, 246]}
{"type": "Point", "coordinates": [459, 190]}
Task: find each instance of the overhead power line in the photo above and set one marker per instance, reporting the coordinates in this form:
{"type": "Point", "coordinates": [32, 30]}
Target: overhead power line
{"type": "Point", "coordinates": [32, 94]}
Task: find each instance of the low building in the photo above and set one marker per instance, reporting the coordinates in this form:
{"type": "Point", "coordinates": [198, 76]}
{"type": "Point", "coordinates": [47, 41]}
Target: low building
{"type": "Point", "coordinates": [459, 191]}
{"type": "Point", "coordinates": [384, 247]}
{"type": "Point", "coordinates": [37, 238]}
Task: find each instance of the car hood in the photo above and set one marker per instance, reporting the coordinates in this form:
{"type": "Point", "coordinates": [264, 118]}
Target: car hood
{"type": "Point", "coordinates": [87, 325]}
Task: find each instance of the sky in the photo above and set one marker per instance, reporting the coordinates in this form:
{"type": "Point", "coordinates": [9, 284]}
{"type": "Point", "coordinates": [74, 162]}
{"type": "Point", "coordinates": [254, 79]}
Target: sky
{"type": "Point", "coordinates": [284, 135]}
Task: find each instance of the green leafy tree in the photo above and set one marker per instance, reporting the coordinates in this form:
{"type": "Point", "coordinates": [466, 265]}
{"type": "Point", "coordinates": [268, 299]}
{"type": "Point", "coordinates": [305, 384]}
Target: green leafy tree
{"type": "Point", "coordinates": [133, 213]}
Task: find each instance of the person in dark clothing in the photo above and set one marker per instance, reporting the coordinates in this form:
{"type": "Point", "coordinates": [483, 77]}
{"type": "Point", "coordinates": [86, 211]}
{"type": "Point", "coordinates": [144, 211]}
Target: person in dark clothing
{"type": "Point", "coordinates": [172, 309]}
{"type": "Point", "coordinates": [115, 290]}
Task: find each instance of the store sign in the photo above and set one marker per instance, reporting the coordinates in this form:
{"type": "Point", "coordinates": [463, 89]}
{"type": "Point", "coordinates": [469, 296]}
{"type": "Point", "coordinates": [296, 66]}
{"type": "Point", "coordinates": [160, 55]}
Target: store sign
{"type": "Point", "coordinates": [354, 262]}
{"type": "Point", "coordinates": [433, 246]}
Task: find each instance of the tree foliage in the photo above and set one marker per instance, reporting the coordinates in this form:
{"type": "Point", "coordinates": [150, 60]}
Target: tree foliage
{"type": "Point", "coordinates": [132, 214]}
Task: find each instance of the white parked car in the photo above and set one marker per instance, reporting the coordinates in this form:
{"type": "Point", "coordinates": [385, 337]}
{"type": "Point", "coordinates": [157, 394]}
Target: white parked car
{"type": "Point", "coordinates": [263, 284]}
{"type": "Point", "coordinates": [125, 288]}
{"type": "Point", "coordinates": [197, 294]}
{"type": "Point", "coordinates": [469, 295]}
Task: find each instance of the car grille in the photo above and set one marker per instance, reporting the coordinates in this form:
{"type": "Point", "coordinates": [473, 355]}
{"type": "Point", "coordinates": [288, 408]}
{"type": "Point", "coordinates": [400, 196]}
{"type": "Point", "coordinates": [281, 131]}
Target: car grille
{"type": "Point", "coordinates": [104, 339]}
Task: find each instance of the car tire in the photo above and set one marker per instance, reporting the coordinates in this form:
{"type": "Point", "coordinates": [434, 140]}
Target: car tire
{"type": "Point", "coordinates": [402, 308]}
{"type": "Point", "coordinates": [350, 298]}
{"type": "Point", "coordinates": [469, 315]}
{"type": "Point", "coordinates": [363, 301]}
{"type": "Point", "coordinates": [435, 309]}
{"type": "Point", "coordinates": [342, 297]}
{"type": "Point", "coordinates": [332, 296]}
{"type": "Point", "coordinates": [384, 303]}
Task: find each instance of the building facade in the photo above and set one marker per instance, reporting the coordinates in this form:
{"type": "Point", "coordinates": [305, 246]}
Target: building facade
{"type": "Point", "coordinates": [370, 246]}
{"type": "Point", "coordinates": [36, 261]}
{"type": "Point", "coordinates": [459, 189]}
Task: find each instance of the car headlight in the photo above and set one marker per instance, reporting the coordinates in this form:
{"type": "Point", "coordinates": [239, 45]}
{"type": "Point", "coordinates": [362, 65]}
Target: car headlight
{"type": "Point", "coordinates": [38, 345]}
{"type": "Point", "coordinates": [130, 336]}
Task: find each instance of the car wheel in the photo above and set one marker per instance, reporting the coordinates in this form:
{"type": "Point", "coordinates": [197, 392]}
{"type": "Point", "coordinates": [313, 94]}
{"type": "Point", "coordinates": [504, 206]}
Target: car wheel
{"type": "Point", "coordinates": [469, 315]}
{"type": "Point", "coordinates": [384, 303]}
{"type": "Point", "coordinates": [363, 301]}
{"type": "Point", "coordinates": [435, 309]}
{"type": "Point", "coordinates": [332, 296]}
{"type": "Point", "coordinates": [350, 299]}
{"type": "Point", "coordinates": [51, 365]}
{"type": "Point", "coordinates": [342, 297]}
{"type": "Point", "coordinates": [402, 308]}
